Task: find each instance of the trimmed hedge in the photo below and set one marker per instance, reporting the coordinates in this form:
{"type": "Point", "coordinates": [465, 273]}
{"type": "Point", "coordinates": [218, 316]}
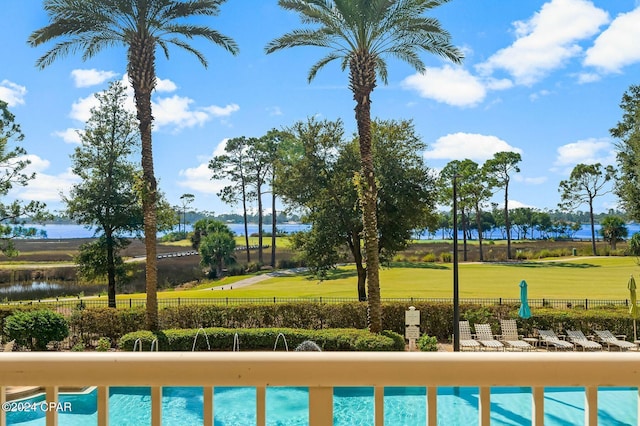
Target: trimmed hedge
{"type": "Point", "coordinates": [221, 339]}
{"type": "Point", "coordinates": [436, 318]}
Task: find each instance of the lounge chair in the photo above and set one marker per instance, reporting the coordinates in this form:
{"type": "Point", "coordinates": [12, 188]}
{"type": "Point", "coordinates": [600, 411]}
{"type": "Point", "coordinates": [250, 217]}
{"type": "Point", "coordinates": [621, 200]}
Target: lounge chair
{"type": "Point", "coordinates": [485, 337]}
{"type": "Point", "coordinates": [549, 339]}
{"type": "Point", "coordinates": [578, 338]}
{"type": "Point", "coordinates": [607, 337]}
{"type": "Point", "coordinates": [510, 337]}
{"type": "Point", "coordinates": [466, 341]}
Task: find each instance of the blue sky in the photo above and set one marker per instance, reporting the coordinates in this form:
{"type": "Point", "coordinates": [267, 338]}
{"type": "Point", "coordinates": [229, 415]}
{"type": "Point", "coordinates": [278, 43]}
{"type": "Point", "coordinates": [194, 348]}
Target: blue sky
{"type": "Point", "coordinates": [543, 78]}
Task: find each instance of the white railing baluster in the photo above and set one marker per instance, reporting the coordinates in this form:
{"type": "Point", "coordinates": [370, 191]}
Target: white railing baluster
{"type": "Point", "coordinates": [261, 406]}
{"type": "Point", "coordinates": [207, 411]}
{"type": "Point", "coordinates": [320, 406]}
{"type": "Point", "coordinates": [537, 406]}
{"type": "Point", "coordinates": [52, 398]}
{"type": "Point", "coordinates": [591, 406]}
{"type": "Point", "coordinates": [103, 406]}
{"type": "Point", "coordinates": [432, 406]}
{"type": "Point", "coordinates": [3, 412]}
{"type": "Point", "coordinates": [156, 406]}
{"type": "Point", "coordinates": [484, 406]}
{"type": "Point", "coordinates": [378, 405]}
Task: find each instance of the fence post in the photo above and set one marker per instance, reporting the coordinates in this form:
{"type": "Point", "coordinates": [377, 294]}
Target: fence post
{"type": "Point", "coordinates": [129, 302]}
{"type": "Point", "coordinates": [178, 301]}
{"type": "Point", "coordinates": [586, 304]}
{"type": "Point", "coordinates": [274, 300]}
{"type": "Point", "coordinates": [500, 301]}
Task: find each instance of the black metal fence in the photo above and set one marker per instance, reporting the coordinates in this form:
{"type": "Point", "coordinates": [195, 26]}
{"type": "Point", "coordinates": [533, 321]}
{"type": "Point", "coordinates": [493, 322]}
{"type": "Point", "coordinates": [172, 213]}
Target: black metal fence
{"type": "Point", "coordinates": [128, 303]}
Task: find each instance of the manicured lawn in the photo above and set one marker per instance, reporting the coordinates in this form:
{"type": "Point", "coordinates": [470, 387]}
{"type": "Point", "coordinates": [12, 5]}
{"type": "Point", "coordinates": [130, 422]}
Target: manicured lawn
{"type": "Point", "coordinates": [592, 278]}
{"type": "Point", "coordinates": [240, 241]}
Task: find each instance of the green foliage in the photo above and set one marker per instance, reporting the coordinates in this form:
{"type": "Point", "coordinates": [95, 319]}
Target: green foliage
{"type": "Point", "coordinates": [104, 344]}
{"type": "Point", "coordinates": [627, 132]}
{"type": "Point", "coordinates": [221, 339]}
{"type": "Point", "coordinates": [93, 323]}
{"type": "Point", "coordinates": [634, 245]}
{"type": "Point", "coordinates": [613, 229]}
{"type": "Point", "coordinates": [36, 329]}
{"type": "Point", "coordinates": [93, 264]}
{"type": "Point", "coordinates": [427, 343]}
{"type": "Point", "coordinates": [78, 347]}
{"type": "Point", "coordinates": [13, 161]}
{"type": "Point", "coordinates": [217, 246]}
{"type": "Point", "coordinates": [174, 236]}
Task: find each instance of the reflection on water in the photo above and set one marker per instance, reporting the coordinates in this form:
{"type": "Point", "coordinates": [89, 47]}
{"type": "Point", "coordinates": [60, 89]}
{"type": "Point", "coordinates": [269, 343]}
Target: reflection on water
{"type": "Point", "coordinates": [47, 289]}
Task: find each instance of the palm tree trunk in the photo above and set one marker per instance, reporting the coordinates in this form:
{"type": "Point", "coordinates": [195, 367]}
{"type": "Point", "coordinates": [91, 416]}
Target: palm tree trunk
{"type": "Point", "coordinates": [141, 69]}
{"type": "Point", "coordinates": [479, 225]}
{"type": "Point", "coordinates": [362, 81]}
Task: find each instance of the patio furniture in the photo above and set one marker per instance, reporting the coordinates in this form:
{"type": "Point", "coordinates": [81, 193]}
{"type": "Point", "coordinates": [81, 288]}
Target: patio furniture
{"type": "Point", "coordinates": [485, 337]}
{"type": "Point", "coordinates": [466, 340]}
{"type": "Point", "coordinates": [549, 339]}
{"type": "Point", "coordinates": [509, 337]}
{"type": "Point", "coordinates": [578, 338]}
{"type": "Point", "coordinates": [607, 337]}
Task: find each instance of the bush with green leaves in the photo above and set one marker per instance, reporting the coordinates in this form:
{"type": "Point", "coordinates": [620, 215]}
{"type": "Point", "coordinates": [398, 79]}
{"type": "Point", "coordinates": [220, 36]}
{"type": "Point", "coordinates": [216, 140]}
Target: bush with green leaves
{"type": "Point", "coordinates": [427, 343]}
{"type": "Point", "coordinates": [222, 339]}
{"type": "Point", "coordinates": [35, 329]}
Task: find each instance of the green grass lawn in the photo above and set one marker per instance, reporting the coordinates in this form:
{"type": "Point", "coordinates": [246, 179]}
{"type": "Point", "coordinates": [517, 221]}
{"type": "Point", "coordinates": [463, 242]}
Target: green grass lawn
{"type": "Point", "coordinates": [283, 242]}
{"type": "Point", "coordinates": [591, 278]}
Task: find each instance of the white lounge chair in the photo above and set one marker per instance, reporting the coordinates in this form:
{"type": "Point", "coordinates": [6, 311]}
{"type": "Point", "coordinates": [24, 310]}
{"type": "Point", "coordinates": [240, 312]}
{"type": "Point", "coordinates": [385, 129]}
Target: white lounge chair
{"type": "Point", "coordinates": [549, 338]}
{"type": "Point", "coordinates": [607, 337]}
{"type": "Point", "coordinates": [485, 337]}
{"type": "Point", "coordinates": [578, 338]}
{"type": "Point", "coordinates": [466, 340]}
{"type": "Point", "coordinates": [510, 337]}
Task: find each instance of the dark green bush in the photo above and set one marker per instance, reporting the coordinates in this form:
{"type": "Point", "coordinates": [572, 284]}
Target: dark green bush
{"type": "Point", "coordinates": [221, 339]}
{"type": "Point", "coordinates": [427, 343]}
{"type": "Point", "coordinates": [92, 323]}
{"type": "Point", "coordinates": [36, 329]}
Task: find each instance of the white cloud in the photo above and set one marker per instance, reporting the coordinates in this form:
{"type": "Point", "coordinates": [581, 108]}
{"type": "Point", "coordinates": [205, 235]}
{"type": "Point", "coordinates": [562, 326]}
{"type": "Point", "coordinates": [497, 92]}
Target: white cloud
{"type": "Point", "coordinates": [165, 85]}
{"type": "Point", "coordinates": [530, 180]}
{"type": "Point", "coordinates": [69, 135]}
{"type": "Point", "coordinates": [458, 146]}
{"type": "Point", "coordinates": [618, 45]}
{"type": "Point", "coordinates": [225, 111]}
{"type": "Point", "coordinates": [515, 204]}
{"type": "Point", "coordinates": [92, 77]}
{"type": "Point", "coordinates": [175, 111]}
{"type": "Point", "coordinates": [539, 94]}
{"type": "Point", "coordinates": [81, 109]}
{"type": "Point", "coordinates": [547, 40]}
{"type": "Point", "coordinates": [273, 111]}
{"type": "Point", "coordinates": [45, 187]}
{"type": "Point", "coordinates": [587, 151]}
{"type": "Point", "coordinates": [198, 179]}
{"type": "Point", "coordinates": [588, 77]}
{"type": "Point", "coordinates": [449, 85]}
{"type": "Point", "coordinates": [12, 93]}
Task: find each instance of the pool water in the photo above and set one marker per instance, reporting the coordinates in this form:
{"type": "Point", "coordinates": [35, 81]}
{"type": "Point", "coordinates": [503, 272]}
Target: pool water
{"type": "Point", "coordinates": [183, 406]}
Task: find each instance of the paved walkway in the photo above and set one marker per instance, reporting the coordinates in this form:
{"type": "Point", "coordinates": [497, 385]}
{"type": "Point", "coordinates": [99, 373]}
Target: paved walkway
{"type": "Point", "coordinates": [258, 278]}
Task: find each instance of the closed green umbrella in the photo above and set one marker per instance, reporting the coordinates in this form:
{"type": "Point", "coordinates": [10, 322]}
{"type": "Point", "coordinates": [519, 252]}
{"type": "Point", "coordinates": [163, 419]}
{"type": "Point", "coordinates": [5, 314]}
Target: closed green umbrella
{"type": "Point", "coordinates": [633, 310]}
{"type": "Point", "coordinates": [525, 311]}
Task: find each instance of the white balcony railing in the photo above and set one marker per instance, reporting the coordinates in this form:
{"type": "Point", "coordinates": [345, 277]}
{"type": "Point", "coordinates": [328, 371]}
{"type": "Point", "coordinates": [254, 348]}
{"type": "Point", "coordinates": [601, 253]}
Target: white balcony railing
{"type": "Point", "coordinates": [320, 372]}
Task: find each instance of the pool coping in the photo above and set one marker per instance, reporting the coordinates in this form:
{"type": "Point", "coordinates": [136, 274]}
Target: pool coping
{"type": "Point", "coordinates": [14, 393]}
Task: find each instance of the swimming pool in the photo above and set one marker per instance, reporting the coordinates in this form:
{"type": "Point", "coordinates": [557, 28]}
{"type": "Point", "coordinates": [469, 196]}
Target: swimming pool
{"type": "Point", "coordinates": [352, 407]}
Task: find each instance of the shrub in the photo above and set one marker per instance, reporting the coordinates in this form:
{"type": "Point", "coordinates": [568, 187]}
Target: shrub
{"type": "Point", "coordinates": [78, 347]}
{"type": "Point", "coordinates": [104, 344]}
{"type": "Point", "coordinates": [36, 328]}
{"type": "Point", "coordinates": [446, 257]}
{"type": "Point", "coordinates": [427, 343]}
{"type": "Point", "coordinates": [221, 339]}
{"type": "Point", "coordinates": [429, 257]}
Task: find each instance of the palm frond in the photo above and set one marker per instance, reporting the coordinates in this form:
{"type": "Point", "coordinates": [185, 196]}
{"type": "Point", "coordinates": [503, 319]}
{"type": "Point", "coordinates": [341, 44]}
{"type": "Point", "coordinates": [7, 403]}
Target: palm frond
{"type": "Point", "coordinates": [304, 37]}
{"type": "Point", "coordinates": [183, 45]}
{"type": "Point", "coordinates": [381, 69]}
{"type": "Point", "coordinates": [185, 9]}
{"type": "Point", "coordinates": [321, 63]}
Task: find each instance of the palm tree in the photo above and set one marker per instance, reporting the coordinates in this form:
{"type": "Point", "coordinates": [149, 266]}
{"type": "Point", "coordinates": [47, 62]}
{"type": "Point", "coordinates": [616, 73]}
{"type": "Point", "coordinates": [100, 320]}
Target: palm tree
{"type": "Point", "coordinates": [141, 26]}
{"type": "Point", "coordinates": [361, 33]}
